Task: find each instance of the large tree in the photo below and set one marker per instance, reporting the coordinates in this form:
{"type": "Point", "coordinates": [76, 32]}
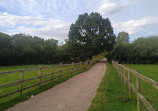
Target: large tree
{"type": "Point", "coordinates": [122, 37]}
{"type": "Point", "coordinates": [93, 32]}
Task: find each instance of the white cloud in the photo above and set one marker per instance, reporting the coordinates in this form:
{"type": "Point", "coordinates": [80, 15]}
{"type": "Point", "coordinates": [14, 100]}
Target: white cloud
{"type": "Point", "coordinates": [12, 20]}
{"type": "Point", "coordinates": [37, 26]}
{"type": "Point", "coordinates": [148, 25]}
{"type": "Point", "coordinates": [46, 18]}
{"type": "Point", "coordinates": [109, 8]}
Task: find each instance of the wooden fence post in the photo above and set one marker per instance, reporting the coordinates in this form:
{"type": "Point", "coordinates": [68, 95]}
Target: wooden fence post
{"type": "Point", "coordinates": [52, 71]}
{"type": "Point", "coordinates": [124, 73]}
{"type": "Point", "coordinates": [138, 89]}
{"type": "Point", "coordinates": [39, 75]}
{"type": "Point", "coordinates": [21, 85]}
{"type": "Point", "coordinates": [129, 79]}
{"type": "Point", "coordinates": [119, 69]}
{"type": "Point", "coordinates": [72, 67]}
{"type": "Point", "coordinates": [121, 74]}
{"type": "Point", "coordinates": [60, 69]}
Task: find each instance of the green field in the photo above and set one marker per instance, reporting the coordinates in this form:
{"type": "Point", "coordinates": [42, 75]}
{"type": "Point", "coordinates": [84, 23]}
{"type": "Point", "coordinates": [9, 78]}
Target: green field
{"type": "Point", "coordinates": [149, 70]}
{"type": "Point", "coordinates": [150, 93]}
{"type": "Point", "coordinates": [15, 98]}
{"type": "Point", "coordinates": [112, 95]}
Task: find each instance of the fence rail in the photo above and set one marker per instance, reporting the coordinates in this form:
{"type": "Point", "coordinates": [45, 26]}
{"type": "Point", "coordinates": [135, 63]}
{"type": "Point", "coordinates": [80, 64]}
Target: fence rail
{"type": "Point", "coordinates": [121, 69]}
{"type": "Point", "coordinates": [74, 67]}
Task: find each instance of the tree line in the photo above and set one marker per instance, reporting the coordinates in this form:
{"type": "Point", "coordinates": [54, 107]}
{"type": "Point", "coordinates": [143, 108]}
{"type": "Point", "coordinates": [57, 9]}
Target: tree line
{"type": "Point", "coordinates": [143, 50]}
{"type": "Point", "coordinates": [90, 35]}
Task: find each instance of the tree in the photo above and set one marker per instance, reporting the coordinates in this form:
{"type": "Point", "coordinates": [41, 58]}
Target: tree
{"type": "Point", "coordinates": [121, 52]}
{"type": "Point", "coordinates": [142, 50]}
{"type": "Point", "coordinates": [145, 50]}
{"type": "Point", "coordinates": [5, 48]}
{"type": "Point", "coordinates": [93, 32]}
{"type": "Point", "coordinates": [50, 50]}
{"type": "Point", "coordinates": [122, 37]}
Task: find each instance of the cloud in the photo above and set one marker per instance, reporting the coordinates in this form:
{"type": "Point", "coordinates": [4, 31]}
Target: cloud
{"type": "Point", "coordinates": [56, 9]}
{"type": "Point", "coordinates": [145, 25]}
{"type": "Point", "coordinates": [12, 20]}
{"type": "Point", "coordinates": [109, 8]}
{"type": "Point", "coordinates": [37, 26]}
{"type": "Point", "coordinates": [51, 18]}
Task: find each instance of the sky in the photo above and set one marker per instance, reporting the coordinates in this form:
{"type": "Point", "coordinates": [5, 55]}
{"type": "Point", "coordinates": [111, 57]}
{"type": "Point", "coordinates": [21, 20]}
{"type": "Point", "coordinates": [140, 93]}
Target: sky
{"type": "Point", "coordinates": [52, 18]}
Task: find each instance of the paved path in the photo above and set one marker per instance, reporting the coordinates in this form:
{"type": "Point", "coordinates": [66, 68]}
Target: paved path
{"type": "Point", "coordinates": [74, 94]}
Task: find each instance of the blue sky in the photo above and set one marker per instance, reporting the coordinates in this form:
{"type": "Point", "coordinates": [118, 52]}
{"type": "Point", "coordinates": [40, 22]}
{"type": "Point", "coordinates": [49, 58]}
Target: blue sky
{"type": "Point", "coordinates": [52, 18]}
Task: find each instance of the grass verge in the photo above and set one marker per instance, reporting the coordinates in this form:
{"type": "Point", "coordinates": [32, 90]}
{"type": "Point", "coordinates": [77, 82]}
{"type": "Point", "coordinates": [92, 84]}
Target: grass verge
{"type": "Point", "coordinates": [111, 94]}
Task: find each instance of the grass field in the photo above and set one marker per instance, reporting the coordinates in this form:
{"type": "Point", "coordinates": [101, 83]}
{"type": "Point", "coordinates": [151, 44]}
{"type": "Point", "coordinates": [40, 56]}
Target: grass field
{"type": "Point", "coordinates": [150, 93]}
{"type": "Point", "coordinates": [15, 98]}
{"type": "Point", "coordinates": [111, 94]}
{"type": "Point", "coordinates": [149, 70]}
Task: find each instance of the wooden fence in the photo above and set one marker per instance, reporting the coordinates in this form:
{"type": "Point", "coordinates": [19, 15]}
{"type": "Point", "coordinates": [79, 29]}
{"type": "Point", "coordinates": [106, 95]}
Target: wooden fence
{"type": "Point", "coordinates": [122, 70]}
{"type": "Point", "coordinates": [74, 67]}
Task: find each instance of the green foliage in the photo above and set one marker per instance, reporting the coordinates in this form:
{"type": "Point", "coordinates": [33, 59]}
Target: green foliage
{"type": "Point", "coordinates": [74, 51]}
{"type": "Point", "coordinates": [6, 48]}
{"type": "Point", "coordinates": [145, 50]}
{"type": "Point", "coordinates": [88, 36]}
{"type": "Point", "coordinates": [122, 37]}
{"type": "Point", "coordinates": [111, 94]}
{"type": "Point", "coordinates": [121, 52]}
{"type": "Point", "coordinates": [142, 50]}
{"type": "Point", "coordinates": [50, 50]}
{"type": "Point", "coordinates": [93, 33]}
{"type": "Point", "coordinates": [25, 49]}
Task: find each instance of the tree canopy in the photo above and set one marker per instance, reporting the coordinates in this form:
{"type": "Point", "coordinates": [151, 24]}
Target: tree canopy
{"type": "Point", "coordinates": [26, 49]}
{"type": "Point", "coordinates": [142, 50]}
{"type": "Point", "coordinates": [122, 37]}
{"type": "Point", "coordinates": [93, 32]}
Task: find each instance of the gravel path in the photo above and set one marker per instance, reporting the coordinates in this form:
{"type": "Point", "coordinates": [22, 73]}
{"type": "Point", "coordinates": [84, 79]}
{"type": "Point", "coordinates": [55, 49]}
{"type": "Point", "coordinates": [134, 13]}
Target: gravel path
{"type": "Point", "coordinates": [74, 94]}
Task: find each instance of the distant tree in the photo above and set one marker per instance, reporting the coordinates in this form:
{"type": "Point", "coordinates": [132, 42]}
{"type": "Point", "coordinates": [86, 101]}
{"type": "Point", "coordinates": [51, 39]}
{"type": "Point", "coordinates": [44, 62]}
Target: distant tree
{"type": "Point", "coordinates": [93, 32]}
{"type": "Point", "coordinates": [142, 50]}
{"type": "Point", "coordinates": [27, 48]}
{"type": "Point", "coordinates": [145, 50]}
{"type": "Point", "coordinates": [50, 50]}
{"type": "Point", "coordinates": [6, 48]}
{"type": "Point", "coordinates": [121, 52]}
{"type": "Point", "coordinates": [122, 37]}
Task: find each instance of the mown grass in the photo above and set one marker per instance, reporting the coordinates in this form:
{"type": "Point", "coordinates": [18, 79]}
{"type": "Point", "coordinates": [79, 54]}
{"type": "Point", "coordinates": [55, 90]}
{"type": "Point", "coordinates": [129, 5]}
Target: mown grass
{"type": "Point", "coordinates": [149, 92]}
{"type": "Point", "coordinates": [16, 98]}
{"type": "Point", "coordinates": [149, 70]}
{"type": "Point", "coordinates": [112, 95]}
